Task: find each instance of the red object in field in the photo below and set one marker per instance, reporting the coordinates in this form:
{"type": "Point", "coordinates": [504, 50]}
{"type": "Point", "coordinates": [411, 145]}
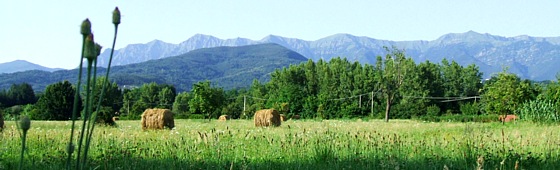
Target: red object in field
{"type": "Point", "coordinates": [508, 118]}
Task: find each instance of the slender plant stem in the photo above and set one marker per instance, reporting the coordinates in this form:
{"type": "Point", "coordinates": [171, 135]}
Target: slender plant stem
{"type": "Point", "coordinates": [90, 123]}
{"type": "Point", "coordinates": [76, 100]}
{"type": "Point", "coordinates": [86, 114]}
{"type": "Point", "coordinates": [105, 82]}
{"type": "Point", "coordinates": [22, 149]}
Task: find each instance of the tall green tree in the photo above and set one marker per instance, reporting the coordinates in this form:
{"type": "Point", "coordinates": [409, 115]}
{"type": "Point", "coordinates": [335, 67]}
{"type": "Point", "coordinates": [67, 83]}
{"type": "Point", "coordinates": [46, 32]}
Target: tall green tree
{"type": "Point", "coordinates": [166, 97]}
{"type": "Point", "coordinates": [22, 94]}
{"type": "Point", "coordinates": [181, 104]}
{"type": "Point", "coordinates": [206, 99]}
{"type": "Point", "coordinates": [393, 72]}
{"type": "Point", "coordinates": [111, 102]}
{"type": "Point", "coordinates": [57, 102]}
{"type": "Point", "coordinates": [132, 107]}
{"type": "Point", "coordinates": [505, 93]}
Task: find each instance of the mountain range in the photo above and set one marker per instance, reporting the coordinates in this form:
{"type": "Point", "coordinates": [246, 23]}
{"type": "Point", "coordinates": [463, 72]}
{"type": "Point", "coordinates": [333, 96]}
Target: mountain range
{"type": "Point", "coordinates": [534, 58]}
{"type": "Point", "coordinates": [22, 65]}
{"type": "Point", "coordinates": [227, 67]}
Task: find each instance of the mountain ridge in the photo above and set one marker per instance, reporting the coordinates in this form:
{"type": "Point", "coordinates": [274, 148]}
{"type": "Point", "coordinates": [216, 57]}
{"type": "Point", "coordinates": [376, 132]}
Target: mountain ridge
{"type": "Point", "coordinates": [490, 52]}
{"type": "Point", "coordinates": [23, 65]}
{"type": "Point", "coordinates": [227, 67]}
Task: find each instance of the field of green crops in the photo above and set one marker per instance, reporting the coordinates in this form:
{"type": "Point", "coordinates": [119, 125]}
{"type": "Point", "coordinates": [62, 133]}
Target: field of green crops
{"type": "Point", "coordinates": [332, 144]}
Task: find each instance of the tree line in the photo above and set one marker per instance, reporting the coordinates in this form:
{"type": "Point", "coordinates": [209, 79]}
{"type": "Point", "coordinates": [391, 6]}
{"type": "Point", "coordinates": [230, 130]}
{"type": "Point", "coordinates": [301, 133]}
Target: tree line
{"type": "Point", "coordinates": [395, 87]}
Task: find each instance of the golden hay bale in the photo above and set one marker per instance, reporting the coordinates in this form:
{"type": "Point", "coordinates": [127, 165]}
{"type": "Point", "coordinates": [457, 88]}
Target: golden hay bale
{"type": "Point", "coordinates": [267, 117]}
{"type": "Point", "coordinates": [223, 118]}
{"type": "Point", "coordinates": [157, 119]}
{"type": "Point", "coordinates": [507, 118]}
{"type": "Point", "coordinates": [283, 118]}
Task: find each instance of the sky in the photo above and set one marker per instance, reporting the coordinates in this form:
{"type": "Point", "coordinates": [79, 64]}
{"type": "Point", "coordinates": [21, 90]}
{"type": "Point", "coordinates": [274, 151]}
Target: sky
{"type": "Point", "coordinates": [48, 32]}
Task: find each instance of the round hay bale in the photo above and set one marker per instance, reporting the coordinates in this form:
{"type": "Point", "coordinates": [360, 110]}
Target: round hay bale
{"type": "Point", "coordinates": [157, 119]}
{"type": "Point", "coordinates": [508, 118]}
{"type": "Point", "coordinates": [283, 118]}
{"type": "Point", "coordinates": [223, 118]}
{"type": "Point", "coordinates": [267, 117]}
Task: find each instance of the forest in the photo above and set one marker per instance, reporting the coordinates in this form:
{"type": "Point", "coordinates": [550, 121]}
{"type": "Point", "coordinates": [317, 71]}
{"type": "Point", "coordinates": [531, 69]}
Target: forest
{"type": "Point", "coordinates": [396, 87]}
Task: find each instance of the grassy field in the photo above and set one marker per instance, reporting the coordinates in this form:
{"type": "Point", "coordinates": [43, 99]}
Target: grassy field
{"type": "Point", "coordinates": [332, 144]}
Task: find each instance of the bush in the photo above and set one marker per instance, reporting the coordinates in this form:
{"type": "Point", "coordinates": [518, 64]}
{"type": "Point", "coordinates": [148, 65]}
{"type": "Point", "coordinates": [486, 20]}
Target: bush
{"type": "Point", "coordinates": [461, 118]}
{"type": "Point", "coordinates": [197, 116]}
{"type": "Point", "coordinates": [469, 108]}
{"type": "Point", "coordinates": [433, 110]}
{"type": "Point", "coordinates": [105, 115]}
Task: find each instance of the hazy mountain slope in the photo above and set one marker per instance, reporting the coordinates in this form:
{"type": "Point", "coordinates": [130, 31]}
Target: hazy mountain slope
{"type": "Point", "coordinates": [22, 65]}
{"type": "Point", "coordinates": [228, 67]}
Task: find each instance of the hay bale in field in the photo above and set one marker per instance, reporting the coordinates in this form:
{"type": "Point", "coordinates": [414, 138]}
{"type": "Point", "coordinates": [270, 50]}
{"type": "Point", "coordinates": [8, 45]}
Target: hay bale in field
{"type": "Point", "coordinates": [267, 117]}
{"type": "Point", "coordinates": [508, 118]}
{"type": "Point", "coordinates": [296, 117]}
{"type": "Point", "coordinates": [157, 119]}
{"type": "Point", "coordinates": [223, 118]}
{"type": "Point", "coordinates": [283, 118]}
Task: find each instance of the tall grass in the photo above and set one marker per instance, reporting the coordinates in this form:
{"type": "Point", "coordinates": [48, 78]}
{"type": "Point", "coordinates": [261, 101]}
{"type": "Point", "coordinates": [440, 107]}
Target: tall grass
{"type": "Point", "coordinates": [237, 144]}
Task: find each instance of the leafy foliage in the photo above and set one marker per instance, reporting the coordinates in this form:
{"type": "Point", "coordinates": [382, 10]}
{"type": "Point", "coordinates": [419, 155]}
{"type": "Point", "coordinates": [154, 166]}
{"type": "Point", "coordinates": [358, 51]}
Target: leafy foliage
{"type": "Point", "coordinates": [111, 102]}
{"type": "Point", "coordinates": [504, 93]}
{"type": "Point", "coordinates": [56, 103]}
{"type": "Point", "coordinates": [17, 94]}
{"type": "Point", "coordinates": [151, 95]}
{"type": "Point", "coordinates": [206, 100]}
{"type": "Point", "coordinates": [543, 111]}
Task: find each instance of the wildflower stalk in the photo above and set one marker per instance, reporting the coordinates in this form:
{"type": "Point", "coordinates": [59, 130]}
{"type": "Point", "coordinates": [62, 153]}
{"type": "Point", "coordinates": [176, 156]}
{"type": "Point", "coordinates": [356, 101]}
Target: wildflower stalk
{"type": "Point", "coordinates": [24, 124]}
{"type": "Point", "coordinates": [90, 55]}
{"type": "Point", "coordinates": [85, 31]}
{"type": "Point", "coordinates": [91, 123]}
{"type": "Point", "coordinates": [116, 22]}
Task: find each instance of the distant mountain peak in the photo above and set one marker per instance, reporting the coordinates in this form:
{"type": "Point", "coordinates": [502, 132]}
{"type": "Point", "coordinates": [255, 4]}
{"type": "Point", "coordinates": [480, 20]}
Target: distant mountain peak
{"type": "Point", "coordinates": [483, 49]}
{"type": "Point", "coordinates": [23, 65]}
{"type": "Point", "coordinates": [469, 37]}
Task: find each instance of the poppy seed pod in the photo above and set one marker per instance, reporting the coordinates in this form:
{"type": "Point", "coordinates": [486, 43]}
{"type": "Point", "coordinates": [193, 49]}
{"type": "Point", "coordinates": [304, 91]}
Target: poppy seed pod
{"type": "Point", "coordinates": [116, 16]}
{"type": "Point", "coordinates": [86, 27]}
{"type": "Point", "coordinates": [24, 123]}
{"type": "Point", "coordinates": [70, 148]}
{"type": "Point", "coordinates": [89, 50]}
{"type": "Point", "coordinates": [98, 49]}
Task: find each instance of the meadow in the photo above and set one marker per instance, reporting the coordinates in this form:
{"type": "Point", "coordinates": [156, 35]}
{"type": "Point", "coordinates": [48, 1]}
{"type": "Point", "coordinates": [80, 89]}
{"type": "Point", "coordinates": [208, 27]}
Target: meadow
{"type": "Point", "coordinates": [296, 144]}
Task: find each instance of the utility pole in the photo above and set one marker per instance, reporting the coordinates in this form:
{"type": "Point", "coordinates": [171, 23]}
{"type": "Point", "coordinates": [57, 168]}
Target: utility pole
{"type": "Point", "coordinates": [372, 103]}
{"type": "Point", "coordinates": [244, 102]}
{"type": "Point", "coordinates": [360, 105]}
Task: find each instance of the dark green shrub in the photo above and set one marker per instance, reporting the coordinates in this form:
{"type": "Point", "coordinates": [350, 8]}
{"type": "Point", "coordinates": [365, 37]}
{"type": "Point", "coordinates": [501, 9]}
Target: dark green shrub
{"type": "Point", "coordinates": [469, 108]}
{"type": "Point", "coordinates": [433, 110]}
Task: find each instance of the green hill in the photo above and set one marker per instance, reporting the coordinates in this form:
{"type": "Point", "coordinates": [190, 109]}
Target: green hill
{"type": "Point", "coordinates": [228, 67]}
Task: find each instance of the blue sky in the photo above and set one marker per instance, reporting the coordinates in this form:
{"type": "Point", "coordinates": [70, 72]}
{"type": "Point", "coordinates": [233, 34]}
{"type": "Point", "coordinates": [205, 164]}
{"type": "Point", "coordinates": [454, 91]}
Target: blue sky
{"type": "Point", "coordinates": [47, 32]}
